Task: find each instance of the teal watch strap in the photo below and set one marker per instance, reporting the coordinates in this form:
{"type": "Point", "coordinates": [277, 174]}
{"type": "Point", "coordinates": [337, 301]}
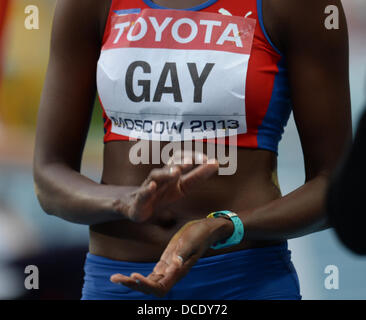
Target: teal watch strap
{"type": "Point", "coordinates": [238, 233]}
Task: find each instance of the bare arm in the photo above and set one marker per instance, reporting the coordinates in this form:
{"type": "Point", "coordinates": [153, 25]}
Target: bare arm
{"type": "Point", "coordinates": [63, 122]}
{"type": "Point", "coordinates": [318, 71]}
{"type": "Point", "coordinates": [64, 115]}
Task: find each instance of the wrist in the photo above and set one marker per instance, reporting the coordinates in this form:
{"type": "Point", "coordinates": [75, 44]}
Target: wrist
{"type": "Point", "coordinates": [220, 228]}
{"type": "Point", "coordinates": [120, 204]}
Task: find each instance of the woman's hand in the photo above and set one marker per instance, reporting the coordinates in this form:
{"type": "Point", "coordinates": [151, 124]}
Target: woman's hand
{"type": "Point", "coordinates": [168, 184]}
{"type": "Point", "coordinates": [182, 252]}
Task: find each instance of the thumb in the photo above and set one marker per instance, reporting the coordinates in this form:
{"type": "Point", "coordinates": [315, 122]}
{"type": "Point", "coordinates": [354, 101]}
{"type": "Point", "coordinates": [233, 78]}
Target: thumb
{"type": "Point", "coordinates": [177, 262]}
{"type": "Point", "coordinates": [180, 255]}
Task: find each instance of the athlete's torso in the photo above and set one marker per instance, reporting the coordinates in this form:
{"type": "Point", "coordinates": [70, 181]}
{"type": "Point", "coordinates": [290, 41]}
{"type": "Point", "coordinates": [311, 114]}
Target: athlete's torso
{"type": "Point", "coordinates": [251, 186]}
{"type": "Point", "coordinates": [163, 74]}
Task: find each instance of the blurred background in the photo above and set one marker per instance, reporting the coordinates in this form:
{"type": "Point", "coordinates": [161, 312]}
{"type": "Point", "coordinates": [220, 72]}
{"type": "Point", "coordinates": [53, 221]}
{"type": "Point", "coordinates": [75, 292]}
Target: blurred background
{"type": "Point", "coordinates": [30, 237]}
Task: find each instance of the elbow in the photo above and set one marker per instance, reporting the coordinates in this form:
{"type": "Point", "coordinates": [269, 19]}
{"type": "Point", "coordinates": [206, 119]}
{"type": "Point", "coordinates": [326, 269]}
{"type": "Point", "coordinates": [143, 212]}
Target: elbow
{"type": "Point", "coordinates": [320, 175]}
{"type": "Point", "coordinates": [44, 196]}
{"type": "Point", "coordinates": [324, 223]}
{"type": "Point", "coordinates": [45, 204]}
{"type": "Point", "coordinates": [43, 200]}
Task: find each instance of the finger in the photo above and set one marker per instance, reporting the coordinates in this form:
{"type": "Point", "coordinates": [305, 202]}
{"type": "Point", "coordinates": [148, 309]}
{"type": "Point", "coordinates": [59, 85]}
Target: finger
{"type": "Point", "coordinates": [155, 276]}
{"type": "Point", "coordinates": [146, 192]}
{"type": "Point", "coordinates": [171, 248]}
{"type": "Point", "coordinates": [132, 283]}
{"type": "Point", "coordinates": [195, 177]}
{"type": "Point", "coordinates": [125, 280]}
{"type": "Point", "coordinates": [161, 266]}
{"type": "Point", "coordinates": [164, 175]}
{"type": "Point", "coordinates": [182, 254]}
{"type": "Point", "coordinates": [177, 271]}
{"type": "Point", "coordinates": [166, 258]}
{"type": "Point", "coordinates": [160, 285]}
{"type": "Point", "coordinates": [173, 268]}
{"type": "Point", "coordinates": [184, 167]}
{"type": "Point", "coordinates": [175, 264]}
{"type": "Point", "coordinates": [187, 158]}
{"type": "Point", "coordinates": [150, 286]}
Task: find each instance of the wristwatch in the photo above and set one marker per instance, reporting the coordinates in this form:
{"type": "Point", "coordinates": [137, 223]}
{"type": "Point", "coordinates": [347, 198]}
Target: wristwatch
{"type": "Point", "coordinates": [238, 233]}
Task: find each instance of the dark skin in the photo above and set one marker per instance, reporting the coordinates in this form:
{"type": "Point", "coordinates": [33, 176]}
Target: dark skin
{"type": "Point", "coordinates": [152, 213]}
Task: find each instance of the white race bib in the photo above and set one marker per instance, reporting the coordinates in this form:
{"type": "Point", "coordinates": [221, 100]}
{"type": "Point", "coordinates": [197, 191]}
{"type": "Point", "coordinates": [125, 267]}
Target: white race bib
{"type": "Point", "coordinates": [170, 75]}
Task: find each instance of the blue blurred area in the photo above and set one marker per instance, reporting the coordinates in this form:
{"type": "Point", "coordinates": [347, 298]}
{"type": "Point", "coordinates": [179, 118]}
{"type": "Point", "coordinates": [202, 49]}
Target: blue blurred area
{"type": "Point", "coordinates": [17, 191]}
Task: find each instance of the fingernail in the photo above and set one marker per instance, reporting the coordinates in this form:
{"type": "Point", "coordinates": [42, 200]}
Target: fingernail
{"type": "Point", "coordinates": [137, 281]}
{"type": "Point", "coordinates": [211, 161]}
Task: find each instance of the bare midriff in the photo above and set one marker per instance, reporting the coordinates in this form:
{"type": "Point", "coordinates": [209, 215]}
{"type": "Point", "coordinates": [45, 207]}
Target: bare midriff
{"type": "Point", "coordinates": [254, 184]}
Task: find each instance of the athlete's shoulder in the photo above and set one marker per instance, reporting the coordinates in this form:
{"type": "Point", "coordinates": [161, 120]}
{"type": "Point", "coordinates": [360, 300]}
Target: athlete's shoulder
{"type": "Point", "coordinates": [300, 8]}
{"type": "Point", "coordinates": [79, 23]}
{"type": "Point", "coordinates": [303, 21]}
{"type": "Point", "coordinates": [85, 8]}
{"type": "Point", "coordinates": [81, 15]}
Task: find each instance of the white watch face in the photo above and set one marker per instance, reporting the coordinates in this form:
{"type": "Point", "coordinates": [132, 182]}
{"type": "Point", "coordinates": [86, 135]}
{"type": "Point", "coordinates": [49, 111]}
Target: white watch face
{"type": "Point", "coordinates": [231, 214]}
